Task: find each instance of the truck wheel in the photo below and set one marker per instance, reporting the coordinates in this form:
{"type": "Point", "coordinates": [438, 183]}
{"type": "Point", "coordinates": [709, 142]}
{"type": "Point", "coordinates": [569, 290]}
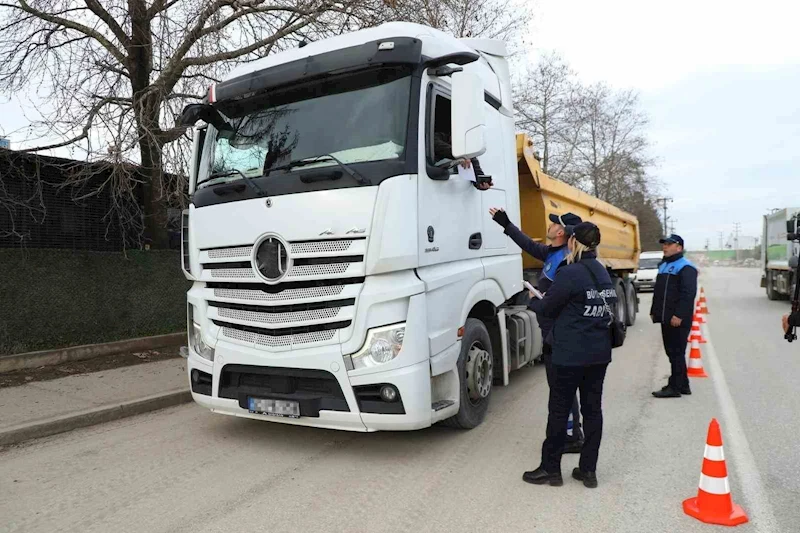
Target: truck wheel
{"type": "Point", "coordinates": [772, 294]}
{"type": "Point", "coordinates": [622, 309]}
{"type": "Point", "coordinates": [475, 376]}
{"type": "Point", "coordinates": [630, 301]}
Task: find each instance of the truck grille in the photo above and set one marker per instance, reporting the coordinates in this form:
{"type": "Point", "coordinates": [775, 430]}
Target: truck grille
{"type": "Point", "coordinates": [230, 253]}
{"type": "Point", "coordinates": [288, 294]}
{"type": "Point", "coordinates": [270, 341]}
{"type": "Point", "coordinates": [297, 248]}
{"type": "Point", "coordinates": [310, 306]}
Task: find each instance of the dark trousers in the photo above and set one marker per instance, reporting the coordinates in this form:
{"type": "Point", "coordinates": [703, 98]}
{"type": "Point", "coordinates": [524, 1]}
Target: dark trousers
{"type": "Point", "coordinates": [577, 433]}
{"type": "Point", "coordinates": [566, 380]}
{"type": "Point", "coordinates": [675, 340]}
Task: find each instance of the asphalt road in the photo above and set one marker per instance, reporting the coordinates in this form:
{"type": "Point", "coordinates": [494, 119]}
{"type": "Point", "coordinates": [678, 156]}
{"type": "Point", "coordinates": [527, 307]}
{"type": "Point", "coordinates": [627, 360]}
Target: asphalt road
{"type": "Point", "coordinates": [185, 469]}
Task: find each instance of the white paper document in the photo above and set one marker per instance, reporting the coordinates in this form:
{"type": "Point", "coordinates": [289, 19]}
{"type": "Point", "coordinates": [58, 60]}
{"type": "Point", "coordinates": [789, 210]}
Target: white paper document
{"type": "Point", "coordinates": [533, 289]}
{"type": "Point", "coordinates": [467, 173]}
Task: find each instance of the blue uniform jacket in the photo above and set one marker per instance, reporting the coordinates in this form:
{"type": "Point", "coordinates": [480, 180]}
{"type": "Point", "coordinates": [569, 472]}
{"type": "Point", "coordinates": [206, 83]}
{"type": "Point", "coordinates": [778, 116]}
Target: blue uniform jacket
{"type": "Point", "coordinates": [553, 259]}
{"type": "Point", "coordinates": [580, 334]}
{"type": "Point", "coordinates": [676, 287]}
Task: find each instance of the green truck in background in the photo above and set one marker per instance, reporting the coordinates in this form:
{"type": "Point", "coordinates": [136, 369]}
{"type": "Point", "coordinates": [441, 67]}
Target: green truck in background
{"type": "Point", "coordinates": [776, 252]}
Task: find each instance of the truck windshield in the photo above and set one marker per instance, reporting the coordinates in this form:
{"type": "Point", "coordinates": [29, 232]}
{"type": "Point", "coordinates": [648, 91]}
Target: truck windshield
{"type": "Point", "coordinates": [648, 264]}
{"type": "Point", "coordinates": [355, 118]}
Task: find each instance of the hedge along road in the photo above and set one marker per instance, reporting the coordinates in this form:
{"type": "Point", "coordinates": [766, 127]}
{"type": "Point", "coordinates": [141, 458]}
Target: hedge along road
{"type": "Point", "coordinates": [52, 299]}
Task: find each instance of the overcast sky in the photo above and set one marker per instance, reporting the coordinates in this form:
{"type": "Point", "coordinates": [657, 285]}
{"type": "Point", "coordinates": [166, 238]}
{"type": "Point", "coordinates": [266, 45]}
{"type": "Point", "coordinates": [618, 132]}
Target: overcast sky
{"type": "Point", "coordinates": [721, 84]}
{"type": "Point", "coordinates": [720, 81]}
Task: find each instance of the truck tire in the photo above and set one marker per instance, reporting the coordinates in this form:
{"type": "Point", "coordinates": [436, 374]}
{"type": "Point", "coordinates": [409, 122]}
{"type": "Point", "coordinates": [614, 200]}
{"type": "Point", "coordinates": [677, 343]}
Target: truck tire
{"type": "Point", "coordinates": [475, 376]}
{"type": "Point", "coordinates": [772, 294]}
{"type": "Point", "coordinates": [630, 302]}
{"type": "Point", "coordinates": [621, 308]}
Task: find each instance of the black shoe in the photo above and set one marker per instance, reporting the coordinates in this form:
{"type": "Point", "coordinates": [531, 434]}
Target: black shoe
{"type": "Point", "coordinates": [540, 477]}
{"type": "Point", "coordinates": [667, 393]}
{"type": "Point", "coordinates": [686, 391]}
{"type": "Point", "coordinates": [589, 478]}
{"type": "Point", "coordinates": [574, 446]}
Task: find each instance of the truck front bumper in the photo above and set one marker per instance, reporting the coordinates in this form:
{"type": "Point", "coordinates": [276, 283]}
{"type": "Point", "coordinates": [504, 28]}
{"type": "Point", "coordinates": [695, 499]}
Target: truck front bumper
{"type": "Point", "coordinates": [318, 380]}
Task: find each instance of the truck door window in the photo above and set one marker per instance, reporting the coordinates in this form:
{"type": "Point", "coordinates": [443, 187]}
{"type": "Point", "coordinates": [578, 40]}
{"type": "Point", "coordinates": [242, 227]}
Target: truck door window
{"type": "Point", "coordinates": [440, 133]}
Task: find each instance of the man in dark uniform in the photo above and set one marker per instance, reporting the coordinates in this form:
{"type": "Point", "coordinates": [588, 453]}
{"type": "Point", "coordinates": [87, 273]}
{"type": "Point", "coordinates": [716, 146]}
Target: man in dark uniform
{"type": "Point", "coordinates": [673, 308]}
{"type": "Point", "coordinates": [553, 257]}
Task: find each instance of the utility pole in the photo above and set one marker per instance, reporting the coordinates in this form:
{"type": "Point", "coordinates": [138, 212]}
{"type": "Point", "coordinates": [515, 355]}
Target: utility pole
{"type": "Point", "coordinates": [736, 228]}
{"type": "Point", "coordinates": [721, 236]}
{"type": "Point", "coordinates": [663, 203]}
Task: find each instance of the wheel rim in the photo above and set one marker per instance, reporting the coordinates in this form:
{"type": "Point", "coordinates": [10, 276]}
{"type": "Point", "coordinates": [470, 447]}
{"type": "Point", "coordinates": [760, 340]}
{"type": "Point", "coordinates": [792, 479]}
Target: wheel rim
{"type": "Point", "coordinates": [479, 373]}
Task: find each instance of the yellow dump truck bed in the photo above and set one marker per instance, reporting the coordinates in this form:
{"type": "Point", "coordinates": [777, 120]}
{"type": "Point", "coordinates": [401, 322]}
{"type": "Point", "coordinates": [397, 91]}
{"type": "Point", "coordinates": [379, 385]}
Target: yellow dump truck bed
{"type": "Point", "coordinates": [540, 195]}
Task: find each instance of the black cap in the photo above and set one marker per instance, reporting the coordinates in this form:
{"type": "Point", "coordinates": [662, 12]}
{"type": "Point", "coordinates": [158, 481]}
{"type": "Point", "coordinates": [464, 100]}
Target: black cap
{"type": "Point", "coordinates": [673, 238]}
{"type": "Point", "coordinates": [567, 219]}
{"type": "Point", "coordinates": [585, 233]}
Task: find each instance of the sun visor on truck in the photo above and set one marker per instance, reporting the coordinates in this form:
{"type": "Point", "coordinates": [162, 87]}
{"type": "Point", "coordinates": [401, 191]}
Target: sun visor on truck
{"type": "Point", "coordinates": [385, 52]}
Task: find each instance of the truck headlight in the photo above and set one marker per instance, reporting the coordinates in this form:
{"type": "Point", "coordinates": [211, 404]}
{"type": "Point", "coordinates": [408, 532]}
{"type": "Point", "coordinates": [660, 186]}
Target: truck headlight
{"type": "Point", "coordinates": [196, 338]}
{"type": "Point", "coordinates": [383, 344]}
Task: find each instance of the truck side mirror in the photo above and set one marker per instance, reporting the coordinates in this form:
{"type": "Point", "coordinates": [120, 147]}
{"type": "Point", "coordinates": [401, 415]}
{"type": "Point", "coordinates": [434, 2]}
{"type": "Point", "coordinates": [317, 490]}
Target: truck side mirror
{"type": "Point", "coordinates": [467, 116]}
{"type": "Point", "coordinates": [205, 112]}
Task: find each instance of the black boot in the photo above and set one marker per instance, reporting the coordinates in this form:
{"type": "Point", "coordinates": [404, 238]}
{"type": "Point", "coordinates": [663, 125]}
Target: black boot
{"type": "Point", "coordinates": [540, 476]}
{"type": "Point", "coordinates": [589, 478]}
{"type": "Point", "coordinates": [686, 390]}
{"type": "Point", "coordinates": [667, 393]}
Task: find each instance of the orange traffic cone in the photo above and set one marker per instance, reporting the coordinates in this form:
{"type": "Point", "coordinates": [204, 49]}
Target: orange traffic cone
{"type": "Point", "coordinates": [695, 368]}
{"type": "Point", "coordinates": [702, 302]}
{"type": "Point", "coordinates": [696, 333]}
{"type": "Point", "coordinates": [700, 317]}
{"type": "Point", "coordinates": [713, 503]}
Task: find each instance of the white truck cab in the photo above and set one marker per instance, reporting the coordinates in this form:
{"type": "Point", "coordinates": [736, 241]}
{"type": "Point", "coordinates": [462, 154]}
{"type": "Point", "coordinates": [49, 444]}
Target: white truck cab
{"type": "Point", "coordinates": [344, 275]}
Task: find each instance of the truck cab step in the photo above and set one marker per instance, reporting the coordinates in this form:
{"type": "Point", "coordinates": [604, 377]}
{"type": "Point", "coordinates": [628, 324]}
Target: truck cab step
{"type": "Point", "coordinates": [441, 404]}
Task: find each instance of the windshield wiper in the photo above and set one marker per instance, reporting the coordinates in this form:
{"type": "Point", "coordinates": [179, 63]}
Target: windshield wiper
{"type": "Point", "coordinates": [226, 173]}
{"type": "Point", "coordinates": [324, 157]}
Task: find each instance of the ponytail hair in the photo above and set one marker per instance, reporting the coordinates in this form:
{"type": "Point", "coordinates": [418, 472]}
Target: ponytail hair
{"type": "Point", "coordinates": [577, 250]}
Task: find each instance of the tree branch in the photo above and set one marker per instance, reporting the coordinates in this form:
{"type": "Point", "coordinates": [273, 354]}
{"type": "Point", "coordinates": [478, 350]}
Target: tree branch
{"type": "Point", "coordinates": [86, 128]}
{"type": "Point", "coordinates": [71, 24]}
{"type": "Point", "coordinates": [159, 6]}
{"type": "Point", "coordinates": [233, 54]}
{"type": "Point", "coordinates": [112, 24]}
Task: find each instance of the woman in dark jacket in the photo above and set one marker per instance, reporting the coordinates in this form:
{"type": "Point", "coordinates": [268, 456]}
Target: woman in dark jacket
{"type": "Point", "coordinates": [580, 301]}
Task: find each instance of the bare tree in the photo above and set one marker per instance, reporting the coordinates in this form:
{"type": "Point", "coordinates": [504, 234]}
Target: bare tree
{"type": "Point", "coordinates": [611, 146]}
{"type": "Point", "coordinates": [110, 77]}
{"type": "Point", "coordinates": [546, 105]}
{"type": "Point", "coordinates": [593, 137]}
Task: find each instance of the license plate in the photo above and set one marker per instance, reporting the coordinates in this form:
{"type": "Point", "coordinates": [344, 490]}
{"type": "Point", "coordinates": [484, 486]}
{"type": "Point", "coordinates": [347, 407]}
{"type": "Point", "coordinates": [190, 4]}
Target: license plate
{"type": "Point", "coordinates": [263, 406]}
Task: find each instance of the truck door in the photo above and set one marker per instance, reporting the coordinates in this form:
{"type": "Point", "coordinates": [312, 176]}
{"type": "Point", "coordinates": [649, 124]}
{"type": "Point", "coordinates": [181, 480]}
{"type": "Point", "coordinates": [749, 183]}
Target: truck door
{"type": "Point", "coordinates": [450, 208]}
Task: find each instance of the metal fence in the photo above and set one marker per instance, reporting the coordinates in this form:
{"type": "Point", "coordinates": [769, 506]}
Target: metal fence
{"type": "Point", "coordinates": [48, 202]}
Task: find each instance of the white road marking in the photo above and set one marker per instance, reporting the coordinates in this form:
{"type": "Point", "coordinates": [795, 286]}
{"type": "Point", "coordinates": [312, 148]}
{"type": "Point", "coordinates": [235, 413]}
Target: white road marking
{"type": "Point", "coordinates": [758, 506]}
